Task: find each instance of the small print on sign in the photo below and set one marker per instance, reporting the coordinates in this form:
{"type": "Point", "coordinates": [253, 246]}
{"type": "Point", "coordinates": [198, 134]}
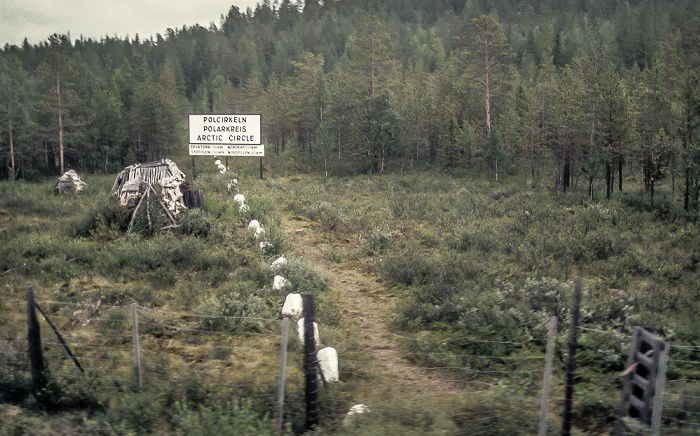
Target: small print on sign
{"type": "Point", "coordinates": [226, 150]}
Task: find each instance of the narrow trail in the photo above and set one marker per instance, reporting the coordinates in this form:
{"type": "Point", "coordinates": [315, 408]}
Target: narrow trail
{"type": "Point", "coordinates": [369, 309]}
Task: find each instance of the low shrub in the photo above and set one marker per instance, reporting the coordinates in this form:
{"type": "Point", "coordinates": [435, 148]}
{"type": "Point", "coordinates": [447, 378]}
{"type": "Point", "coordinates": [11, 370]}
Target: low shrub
{"type": "Point", "coordinates": [195, 222]}
{"type": "Point", "coordinates": [105, 219]}
{"type": "Point", "coordinates": [233, 308]}
{"type": "Point", "coordinates": [324, 212]}
{"type": "Point", "coordinates": [233, 417]}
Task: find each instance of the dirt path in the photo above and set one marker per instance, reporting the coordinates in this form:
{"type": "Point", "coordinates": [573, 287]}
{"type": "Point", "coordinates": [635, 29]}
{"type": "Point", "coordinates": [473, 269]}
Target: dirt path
{"type": "Point", "coordinates": [368, 308]}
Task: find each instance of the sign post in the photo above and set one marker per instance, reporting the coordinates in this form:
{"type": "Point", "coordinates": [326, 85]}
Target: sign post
{"type": "Point", "coordinates": [226, 135]}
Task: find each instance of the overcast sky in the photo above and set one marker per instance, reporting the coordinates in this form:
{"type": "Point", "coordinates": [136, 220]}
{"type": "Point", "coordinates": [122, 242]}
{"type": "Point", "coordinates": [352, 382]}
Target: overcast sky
{"type": "Point", "coordinates": [37, 19]}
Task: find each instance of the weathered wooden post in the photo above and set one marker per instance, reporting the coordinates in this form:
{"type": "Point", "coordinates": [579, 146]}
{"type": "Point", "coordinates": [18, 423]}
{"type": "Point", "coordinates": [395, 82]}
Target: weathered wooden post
{"type": "Point", "coordinates": [571, 360]}
{"type": "Point", "coordinates": [283, 367]}
{"type": "Point", "coordinates": [643, 386]}
{"type": "Point", "coordinates": [310, 364]}
{"type": "Point", "coordinates": [137, 351]}
{"type": "Point", "coordinates": [36, 357]}
{"type": "Point", "coordinates": [293, 306]}
{"type": "Point", "coordinates": [547, 382]}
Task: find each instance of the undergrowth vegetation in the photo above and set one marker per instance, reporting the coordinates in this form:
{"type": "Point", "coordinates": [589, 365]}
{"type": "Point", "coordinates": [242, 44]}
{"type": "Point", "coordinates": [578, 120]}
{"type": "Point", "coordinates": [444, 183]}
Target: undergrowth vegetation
{"type": "Point", "coordinates": [478, 269]}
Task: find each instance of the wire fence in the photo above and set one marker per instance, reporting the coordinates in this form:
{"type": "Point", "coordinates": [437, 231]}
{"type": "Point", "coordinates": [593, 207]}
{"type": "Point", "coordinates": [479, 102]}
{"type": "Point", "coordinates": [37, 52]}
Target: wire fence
{"type": "Point", "coordinates": [240, 356]}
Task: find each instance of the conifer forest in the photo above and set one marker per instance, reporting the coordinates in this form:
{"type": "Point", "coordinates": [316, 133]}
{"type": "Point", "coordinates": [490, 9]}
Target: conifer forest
{"type": "Point", "coordinates": [559, 90]}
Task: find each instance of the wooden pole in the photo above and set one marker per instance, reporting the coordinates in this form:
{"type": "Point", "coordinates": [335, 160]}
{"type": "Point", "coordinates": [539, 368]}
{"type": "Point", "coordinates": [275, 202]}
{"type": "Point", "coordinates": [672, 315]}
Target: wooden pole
{"type": "Point", "coordinates": [311, 389]}
{"type": "Point", "coordinates": [283, 367]}
{"type": "Point", "coordinates": [547, 382]}
{"type": "Point", "coordinates": [137, 352]}
{"type": "Point", "coordinates": [571, 361]}
{"type": "Point", "coordinates": [60, 338]}
{"type": "Point", "coordinates": [36, 357]}
{"type": "Point", "coordinates": [659, 390]}
{"type": "Point", "coordinates": [261, 169]}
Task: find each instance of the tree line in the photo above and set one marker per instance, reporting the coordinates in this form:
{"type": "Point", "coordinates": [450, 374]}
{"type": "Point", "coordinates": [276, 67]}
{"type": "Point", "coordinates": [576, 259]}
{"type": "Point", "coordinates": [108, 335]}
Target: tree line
{"type": "Point", "coordinates": [563, 91]}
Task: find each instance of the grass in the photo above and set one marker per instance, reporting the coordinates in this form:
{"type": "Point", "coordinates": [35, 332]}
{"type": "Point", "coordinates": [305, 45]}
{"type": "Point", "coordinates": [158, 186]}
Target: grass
{"type": "Point", "coordinates": [470, 261]}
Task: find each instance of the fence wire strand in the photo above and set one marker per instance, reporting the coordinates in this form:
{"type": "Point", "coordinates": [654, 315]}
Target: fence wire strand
{"type": "Point", "coordinates": [176, 345]}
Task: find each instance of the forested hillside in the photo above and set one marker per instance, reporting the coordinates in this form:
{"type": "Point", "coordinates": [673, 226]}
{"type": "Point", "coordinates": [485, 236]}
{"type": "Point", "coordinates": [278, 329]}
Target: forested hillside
{"type": "Point", "coordinates": [591, 90]}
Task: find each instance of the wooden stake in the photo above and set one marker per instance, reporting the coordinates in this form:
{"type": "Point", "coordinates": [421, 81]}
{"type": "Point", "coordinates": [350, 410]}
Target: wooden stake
{"type": "Point", "coordinates": [311, 390]}
{"type": "Point", "coordinates": [36, 357]}
{"type": "Point", "coordinates": [137, 352]}
{"type": "Point", "coordinates": [60, 338]}
{"type": "Point", "coordinates": [547, 382]}
{"type": "Point", "coordinates": [571, 361]}
{"type": "Point", "coordinates": [283, 367]}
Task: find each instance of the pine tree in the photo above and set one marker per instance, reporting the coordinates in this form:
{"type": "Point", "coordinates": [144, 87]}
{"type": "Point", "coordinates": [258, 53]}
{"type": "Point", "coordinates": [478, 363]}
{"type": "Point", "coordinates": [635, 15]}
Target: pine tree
{"type": "Point", "coordinates": [59, 98]}
{"type": "Point", "coordinates": [489, 62]}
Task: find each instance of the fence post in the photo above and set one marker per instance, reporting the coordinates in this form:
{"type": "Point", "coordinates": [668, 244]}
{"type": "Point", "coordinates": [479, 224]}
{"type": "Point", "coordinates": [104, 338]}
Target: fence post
{"type": "Point", "coordinates": [283, 367]}
{"type": "Point", "coordinates": [311, 389]}
{"type": "Point", "coordinates": [571, 361]}
{"type": "Point", "coordinates": [547, 382]}
{"type": "Point", "coordinates": [36, 357]}
{"type": "Point", "coordinates": [659, 392]}
{"type": "Point", "coordinates": [137, 352]}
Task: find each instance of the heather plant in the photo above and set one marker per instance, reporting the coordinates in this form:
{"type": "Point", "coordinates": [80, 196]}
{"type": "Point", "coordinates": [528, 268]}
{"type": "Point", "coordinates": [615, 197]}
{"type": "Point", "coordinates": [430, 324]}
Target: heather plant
{"type": "Point", "coordinates": [195, 222]}
{"type": "Point", "coordinates": [233, 417]}
{"type": "Point", "coordinates": [233, 308]}
{"type": "Point", "coordinates": [324, 212]}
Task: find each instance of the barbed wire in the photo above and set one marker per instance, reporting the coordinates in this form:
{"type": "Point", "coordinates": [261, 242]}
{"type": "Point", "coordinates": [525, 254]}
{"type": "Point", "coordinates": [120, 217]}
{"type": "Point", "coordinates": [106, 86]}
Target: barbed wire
{"type": "Point", "coordinates": [106, 347]}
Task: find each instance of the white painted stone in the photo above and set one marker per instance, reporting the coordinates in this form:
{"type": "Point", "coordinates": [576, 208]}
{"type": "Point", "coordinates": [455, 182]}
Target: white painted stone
{"type": "Point", "coordinates": [300, 330]}
{"type": "Point", "coordinates": [266, 246]}
{"type": "Point", "coordinates": [240, 198]}
{"type": "Point", "coordinates": [259, 232]}
{"type": "Point", "coordinates": [292, 306]}
{"type": "Point", "coordinates": [279, 262]}
{"type": "Point", "coordinates": [244, 208]}
{"type": "Point", "coordinates": [253, 225]}
{"type": "Point", "coordinates": [328, 361]}
{"type": "Point", "coordinates": [355, 412]}
{"type": "Point", "coordinates": [278, 283]}
{"type": "Point", "coordinates": [217, 162]}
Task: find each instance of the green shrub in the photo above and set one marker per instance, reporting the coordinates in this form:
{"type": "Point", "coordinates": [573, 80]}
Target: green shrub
{"type": "Point", "coordinates": [216, 182]}
{"type": "Point", "coordinates": [378, 238]}
{"type": "Point", "coordinates": [324, 212]}
{"type": "Point", "coordinates": [235, 307]}
{"type": "Point", "coordinates": [195, 222]}
{"type": "Point", "coordinates": [497, 411]}
{"type": "Point", "coordinates": [105, 219]}
{"type": "Point", "coordinates": [410, 267]}
{"type": "Point", "coordinates": [234, 417]}
{"type": "Point", "coordinates": [15, 381]}
{"type": "Point", "coordinates": [301, 277]}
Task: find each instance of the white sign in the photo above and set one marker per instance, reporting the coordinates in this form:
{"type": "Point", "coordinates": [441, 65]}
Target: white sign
{"type": "Point", "coordinates": [220, 134]}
